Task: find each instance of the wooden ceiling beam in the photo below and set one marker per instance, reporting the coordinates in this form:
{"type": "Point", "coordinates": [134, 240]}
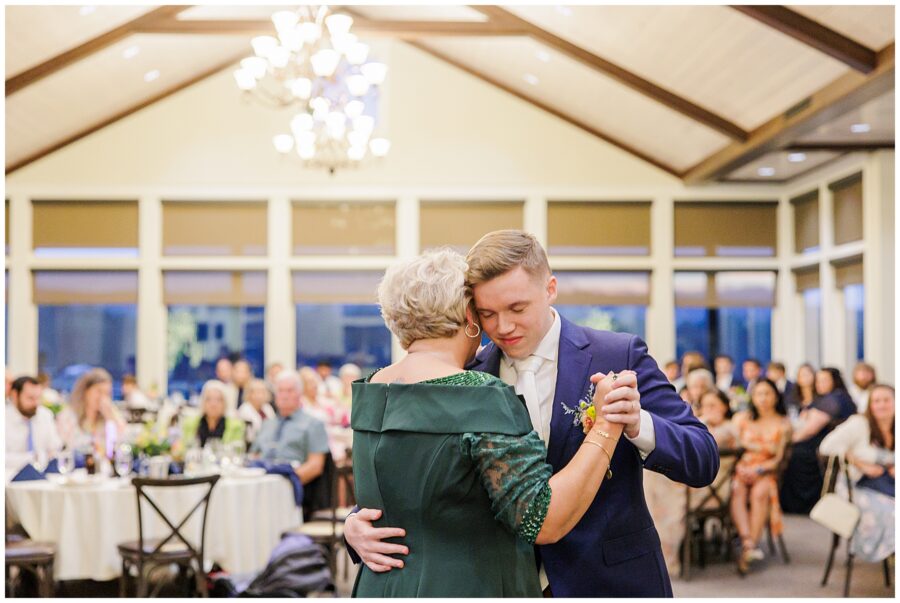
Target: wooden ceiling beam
{"type": "Point", "coordinates": [549, 109]}
{"type": "Point", "coordinates": [618, 73]}
{"type": "Point", "coordinates": [843, 94]}
{"type": "Point", "coordinates": [814, 34]}
{"type": "Point", "coordinates": [840, 146]}
{"type": "Point", "coordinates": [395, 29]}
{"type": "Point", "coordinates": [94, 45]}
{"type": "Point", "coordinates": [123, 114]}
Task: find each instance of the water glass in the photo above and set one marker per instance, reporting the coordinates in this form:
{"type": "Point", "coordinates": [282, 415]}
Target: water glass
{"type": "Point", "coordinates": [65, 461]}
{"type": "Point", "coordinates": [236, 451]}
{"type": "Point", "coordinates": [193, 461]}
{"type": "Point", "coordinates": [124, 460]}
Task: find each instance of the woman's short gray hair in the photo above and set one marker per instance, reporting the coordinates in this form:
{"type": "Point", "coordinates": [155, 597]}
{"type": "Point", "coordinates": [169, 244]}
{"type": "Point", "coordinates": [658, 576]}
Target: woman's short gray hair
{"type": "Point", "coordinates": [425, 297]}
{"type": "Point", "coordinates": [211, 386]}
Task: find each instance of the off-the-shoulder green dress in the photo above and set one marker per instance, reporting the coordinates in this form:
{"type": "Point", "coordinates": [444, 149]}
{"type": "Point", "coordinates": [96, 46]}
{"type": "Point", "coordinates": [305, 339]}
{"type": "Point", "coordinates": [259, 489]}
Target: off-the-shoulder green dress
{"type": "Point", "coordinates": [455, 462]}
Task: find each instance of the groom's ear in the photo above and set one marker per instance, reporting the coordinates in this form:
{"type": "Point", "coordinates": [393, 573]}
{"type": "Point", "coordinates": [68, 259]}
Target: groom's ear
{"type": "Point", "coordinates": [551, 289]}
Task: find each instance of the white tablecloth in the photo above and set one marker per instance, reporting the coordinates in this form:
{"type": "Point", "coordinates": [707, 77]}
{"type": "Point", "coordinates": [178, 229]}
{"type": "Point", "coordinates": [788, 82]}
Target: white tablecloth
{"type": "Point", "coordinates": [246, 518]}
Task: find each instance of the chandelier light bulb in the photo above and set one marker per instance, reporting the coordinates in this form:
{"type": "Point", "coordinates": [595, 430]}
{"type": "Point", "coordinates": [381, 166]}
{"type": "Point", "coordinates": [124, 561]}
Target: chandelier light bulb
{"type": "Point", "coordinates": [305, 139]}
{"type": "Point", "coordinates": [364, 124]}
{"type": "Point", "coordinates": [256, 66]}
{"type": "Point", "coordinates": [279, 57]}
{"type": "Point", "coordinates": [356, 139]}
{"type": "Point", "coordinates": [354, 108]}
{"type": "Point", "coordinates": [291, 39]}
{"type": "Point", "coordinates": [374, 72]}
{"type": "Point", "coordinates": [284, 20]}
{"type": "Point", "coordinates": [356, 153]}
{"type": "Point", "coordinates": [325, 62]}
{"type": "Point", "coordinates": [357, 54]}
{"type": "Point", "coordinates": [338, 24]}
{"type": "Point", "coordinates": [283, 143]}
{"type": "Point", "coordinates": [306, 152]}
{"type": "Point", "coordinates": [358, 85]}
{"type": "Point", "coordinates": [319, 105]}
{"type": "Point", "coordinates": [263, 45]}
{"type": "Point", "coordinates": [301, 88]}
{"type": "Point", "coordinates": [310, 32]}
{"type": "Point", "coordinates": [302, 122]}
{"type": "Point", "coordinates": [244, 79]}
{"type": "Point", "coordinates": [343, 42]}
{"type": "Point", "coordinates": [380, 146]}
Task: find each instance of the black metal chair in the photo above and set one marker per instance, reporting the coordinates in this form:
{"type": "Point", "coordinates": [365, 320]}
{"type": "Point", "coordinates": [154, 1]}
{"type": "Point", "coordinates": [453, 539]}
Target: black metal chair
{"type": "Point", "coordinates": [712, 503]}
{"type": "Point", "coordinates": [833, 474]}
{"type": "Point", "coordinates": [148, 555]}
{"type": "Point", "coordinates": [779, 479]}
{"type": "Point", "coordinates": [34, 557]}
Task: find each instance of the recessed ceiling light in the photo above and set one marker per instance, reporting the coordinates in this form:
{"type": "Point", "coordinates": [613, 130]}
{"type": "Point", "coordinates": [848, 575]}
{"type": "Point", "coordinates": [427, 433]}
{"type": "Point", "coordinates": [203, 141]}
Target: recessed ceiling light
{"type": "Point", "coordinates": [860, 128]}
{"type": "Point", "coordinates": [84, 11]}
{"type": "Point", "coordinates": [766, 171]}
{"type": "Point", "coordinates": [796, 157]}
{"type": "Point", "coordinates": [151, 75]}
{"type": "Point", "coordinates": [531, 79]}
{"type": "Point", "coordinates": [564, 10]}
{"type": "Point", "coordinates": [131, 52]}
{"type": "Point", "coordinates": [543, 56]}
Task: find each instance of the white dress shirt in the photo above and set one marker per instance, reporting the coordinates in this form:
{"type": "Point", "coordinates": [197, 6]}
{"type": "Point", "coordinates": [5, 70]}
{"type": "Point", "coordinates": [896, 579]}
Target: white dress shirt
{"type": "Point", "coordinates": [44, 437]}
{"type": "Point", "coordinates": [545, 376]}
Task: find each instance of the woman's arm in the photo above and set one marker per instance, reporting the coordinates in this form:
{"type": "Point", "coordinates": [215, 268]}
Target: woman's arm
{"type": "Point", "coordinates": [844, 438]}
{"type": "Point", "coordinates": [815, 421]}
{"type": "Point", "coordinates": [780, 449]}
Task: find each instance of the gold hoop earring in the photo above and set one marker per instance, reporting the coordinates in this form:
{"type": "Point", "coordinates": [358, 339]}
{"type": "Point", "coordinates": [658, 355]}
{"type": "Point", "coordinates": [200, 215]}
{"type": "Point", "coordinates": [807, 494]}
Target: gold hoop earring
{"type": "Point", "coordinates": [477, 330]}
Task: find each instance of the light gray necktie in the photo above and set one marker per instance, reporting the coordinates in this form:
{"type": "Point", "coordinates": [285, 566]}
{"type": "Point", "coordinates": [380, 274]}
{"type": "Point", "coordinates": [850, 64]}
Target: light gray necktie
{"type": "Point", "coordinates": [526, 386]}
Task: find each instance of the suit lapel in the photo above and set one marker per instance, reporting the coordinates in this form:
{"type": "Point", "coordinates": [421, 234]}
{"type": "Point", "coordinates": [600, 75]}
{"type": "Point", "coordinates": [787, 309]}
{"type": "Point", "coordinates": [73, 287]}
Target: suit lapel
{"type": "Point", "coordinates": [572, 373]}
{"type": "Point", "coordinates": [487, 360]}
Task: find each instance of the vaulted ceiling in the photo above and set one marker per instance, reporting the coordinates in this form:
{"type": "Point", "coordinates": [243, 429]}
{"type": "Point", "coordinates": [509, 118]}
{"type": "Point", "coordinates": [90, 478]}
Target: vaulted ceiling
{"type": "Point", "coordinates": [729, 93]}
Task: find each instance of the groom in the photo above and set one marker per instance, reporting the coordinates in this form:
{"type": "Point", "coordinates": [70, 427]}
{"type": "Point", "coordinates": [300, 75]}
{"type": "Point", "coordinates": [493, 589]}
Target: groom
{"type": "Point", "coordinates": [614, 551]}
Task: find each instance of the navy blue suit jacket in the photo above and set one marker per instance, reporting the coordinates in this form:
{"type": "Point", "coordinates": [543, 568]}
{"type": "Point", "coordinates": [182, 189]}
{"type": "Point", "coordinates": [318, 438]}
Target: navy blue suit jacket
{"type": "Point", "coordinates": [614, 551]}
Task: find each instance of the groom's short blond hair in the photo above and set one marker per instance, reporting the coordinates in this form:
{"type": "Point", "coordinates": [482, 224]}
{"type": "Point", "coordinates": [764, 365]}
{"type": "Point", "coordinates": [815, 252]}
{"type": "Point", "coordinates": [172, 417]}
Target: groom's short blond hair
{"type": "Point", "coordinates": [498, 252]}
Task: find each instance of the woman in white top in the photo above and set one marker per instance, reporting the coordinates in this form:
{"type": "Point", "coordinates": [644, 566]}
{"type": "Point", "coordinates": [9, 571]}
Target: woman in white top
{"type": "Point", "coordinates": [256, 407]}
{"type": "Point", "coordinates": [867, 443]}
{"type": "Point", "coordinates": [90, 415]}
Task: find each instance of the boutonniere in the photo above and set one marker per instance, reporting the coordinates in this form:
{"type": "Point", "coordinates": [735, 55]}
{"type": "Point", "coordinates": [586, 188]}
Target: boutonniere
{"type": "Point", "coordinates": [583, 413]}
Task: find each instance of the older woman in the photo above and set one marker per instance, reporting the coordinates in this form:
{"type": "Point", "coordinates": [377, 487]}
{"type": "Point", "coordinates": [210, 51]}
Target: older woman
{"type": "Point", "coordinates": [256, 408]}
{"type": "Point", "coordinates": [212, 422]}
{"type": "Point", "coordinates": [764, 433]}
{"type": "Point", "coordinates": [452, 453]}
{"type": "Point", "coordinates": [90, 415]}
{"type": "Point", "coordinates": [698, 382]}
{"type": "Point", "coordinates": [867, 443]}
{"type": "Point", "coordinates": [802, 484]}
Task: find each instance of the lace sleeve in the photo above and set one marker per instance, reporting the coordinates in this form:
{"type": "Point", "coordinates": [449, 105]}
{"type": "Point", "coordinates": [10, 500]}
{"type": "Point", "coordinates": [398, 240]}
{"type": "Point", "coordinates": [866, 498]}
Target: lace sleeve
{"type": "Point", "coordinates": [516, 476]}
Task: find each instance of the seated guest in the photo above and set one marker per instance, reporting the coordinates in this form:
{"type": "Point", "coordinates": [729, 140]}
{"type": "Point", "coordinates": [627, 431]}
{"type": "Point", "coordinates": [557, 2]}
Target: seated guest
{"type": "Point", "coordinates": [225, 374]}
{"type": "Point", "coordinates": [256, 408]}
{"type": "Point", "coordinates": [724, 367]}
{"type": "Point", "coordinates": [764, 433]}
{"type": "Point", "coordinates": [863, 382]}
{"type": "Point", "coordinates": [30, 429]}
{"type": "Point", "coordinates": [698, 382]}
{"type": "Point", "coordinates": [776, 373]}
{"type": "Point", "coordinates": [689, 362]}
{"type": "Point", "coordinates": [801, 392]}
{"type": "Point", "coordinates": [348, 373]}
{"type": "Point", "coordinates": [867, 443]}
{"type": "Point", "coordinates": [49, 396]}
{"type": "Point", "coordinates": [133, 396]}
{"type": "Point", "coordinates": [329, 385]}
{"type": "Point", "coordinates": [90, 416]}
{"type": "Point", "coordinates": [671, 371]}
{"type": "Point", "coordinates": [211, 422]}
{"type": "Point", "coordinates": [802, 484]}
{"type": "Point", "coordinates": [752, 372]}
{"type": "Point", "coordinates": [715, 412]}
{"type": "Point", "coordinates": [241, 375]}
{"type": "Point", "coordinates": [315, 403]}
{"type": "Point", "coordinates": [293, 436]}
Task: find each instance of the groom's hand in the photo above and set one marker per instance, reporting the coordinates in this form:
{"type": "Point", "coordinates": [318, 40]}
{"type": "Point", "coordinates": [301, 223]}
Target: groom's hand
{"type": "Point", "coordinates": [366, 540]}
{"type": "Point", "coordinates": [623, 404]}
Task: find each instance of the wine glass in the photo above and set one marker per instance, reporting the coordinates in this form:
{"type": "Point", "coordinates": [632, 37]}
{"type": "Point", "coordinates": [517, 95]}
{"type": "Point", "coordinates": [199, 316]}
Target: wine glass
{"type": "Point", "coordinates": [65, 461]}
{"type": "Point", "coordinates": [193, 461]}
{"type": "Point", "coordinates": [124, 459]}
{"type": "Point", "coordinates": [235, 451]}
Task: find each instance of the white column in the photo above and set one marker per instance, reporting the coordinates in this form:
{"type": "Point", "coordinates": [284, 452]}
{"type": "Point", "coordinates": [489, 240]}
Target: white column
{"type": "Point", "coordinates": [534, 219]}
{"type": "Point", "coordinates": [661, 311]}
{"type": "Point", "coordinates": [878, 263]}
{"type": "Point", "coordinates": [152, 317]}
{"type": "Point", "coordinates": [23, 333]}
{"type": "Point", "coordinates": [281, 328]}
{"type": "Point", "coordinates": [832, 325]}
{"type": "Point", "coordinates": [407, 246]}
{"type": "Point", "coordinates": [786, 345]}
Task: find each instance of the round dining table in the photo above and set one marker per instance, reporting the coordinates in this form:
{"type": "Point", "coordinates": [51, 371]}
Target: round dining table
{"type": "Point", "coordinates": [88, 518]}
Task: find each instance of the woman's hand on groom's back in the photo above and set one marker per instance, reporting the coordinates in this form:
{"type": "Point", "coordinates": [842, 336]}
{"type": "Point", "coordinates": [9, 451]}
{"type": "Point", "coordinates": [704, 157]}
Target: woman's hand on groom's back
{"type": "Point", "coordinates": [367, 541]}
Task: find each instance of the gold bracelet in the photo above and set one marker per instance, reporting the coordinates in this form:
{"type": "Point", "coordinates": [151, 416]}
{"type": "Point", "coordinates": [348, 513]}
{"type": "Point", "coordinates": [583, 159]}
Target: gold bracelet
{"type": "Point", "coordinates": [608, 456]}
{"type": "Point", "coordinates": [602, 433]}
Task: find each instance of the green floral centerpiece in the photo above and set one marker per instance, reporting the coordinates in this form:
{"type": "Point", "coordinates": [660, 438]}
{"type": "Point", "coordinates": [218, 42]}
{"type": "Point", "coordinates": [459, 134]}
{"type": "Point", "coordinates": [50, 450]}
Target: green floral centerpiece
{"type": "Point", "coordinates": [150, 443]}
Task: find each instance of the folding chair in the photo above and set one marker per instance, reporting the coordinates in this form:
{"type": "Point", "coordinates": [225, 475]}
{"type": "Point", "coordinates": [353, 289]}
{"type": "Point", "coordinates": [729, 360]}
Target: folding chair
{"type": "Point", "coordinates": [147, 555]}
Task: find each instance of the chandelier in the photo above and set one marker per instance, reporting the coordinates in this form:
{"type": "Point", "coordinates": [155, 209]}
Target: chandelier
{"type": "Point", "coordinates": [317, 65]}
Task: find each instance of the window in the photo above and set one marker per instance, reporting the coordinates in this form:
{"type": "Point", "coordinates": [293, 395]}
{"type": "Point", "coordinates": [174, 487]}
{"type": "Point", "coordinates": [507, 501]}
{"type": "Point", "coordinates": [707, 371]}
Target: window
{"type": "Point", "coordinates": [577, 228]}
{"type": "Point", "coordinates": [192, 228]}
{"type": "Point", "coordinates": [344, 228]}
{"type": "Point", "coordinates": [212, 315]}
{"type": "Point", "coordinates": [461, 224]}
{"type": "Point", "coordinates": [725, 313]}
{"type": "Point", "coordinates": [86, 319]}
{"type": "Point", "coordinates": [847, 205]}
{"type": "Point", "coordinates": [808, 286]}
{"type": "Point", "coordinates": [725, 229]}
{"type": "Point", "coordinates": [338, 319]}
{"type": "Point", "coordinates": [806, 222]}
{"type": "Point", "coordinates": [848, 277]}
{"type": "Point", "coordinates": [612, 301]}
{"type": "Point", "coordinates": [66, 228]}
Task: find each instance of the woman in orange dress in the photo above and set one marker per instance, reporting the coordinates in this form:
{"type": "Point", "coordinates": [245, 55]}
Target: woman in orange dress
{"type": "Point", "coordinates": [764, 433]}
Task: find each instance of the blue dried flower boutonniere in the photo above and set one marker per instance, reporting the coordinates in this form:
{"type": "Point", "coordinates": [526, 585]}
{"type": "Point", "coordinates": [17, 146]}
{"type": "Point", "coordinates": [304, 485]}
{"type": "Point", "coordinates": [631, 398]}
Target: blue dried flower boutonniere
{"type": "Point", "coordinates": [584, 413]}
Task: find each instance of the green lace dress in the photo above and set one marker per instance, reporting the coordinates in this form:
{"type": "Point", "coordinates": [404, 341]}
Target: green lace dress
{"type": "Point", "coordinates": [455, 462]}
